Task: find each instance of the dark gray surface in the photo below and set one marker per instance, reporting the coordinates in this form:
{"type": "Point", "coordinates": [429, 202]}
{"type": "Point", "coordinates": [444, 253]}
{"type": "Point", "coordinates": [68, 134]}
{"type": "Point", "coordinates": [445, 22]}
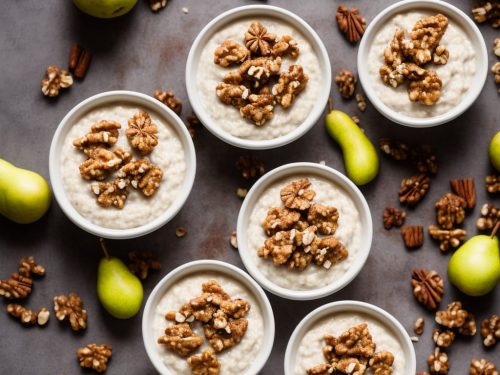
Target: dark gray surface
{"type": "Point", "coordinates": [144, 51]}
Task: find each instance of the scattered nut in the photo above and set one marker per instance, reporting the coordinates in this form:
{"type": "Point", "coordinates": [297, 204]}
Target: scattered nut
{"type": "Point", "coordinates": [168, 98]}
{"type": "Point", "coordinates": [418, 326]}
{"type": "Point", "coordinates": [482, 367]}
{"type": "Point", "coordinates": [428, 287]}
{"type": "Point", "coordinates": [180, 232]}
{"type": "Point", "coordinates": [490, 330]}
{"type": "Point", "coordinates": [492, 183]}
{"type": "Point", "coordinates": [490, 215]}
{"type": "Point", "coordinates": [94, 356]}
{"type": "Point", "coordinates": [413, 189]}
{"type": "Point", "coordinates": [141, 262]}
{"type": "Point", "coordinates": [361, 101]}
{"type": "Point", "coordinates": [71, 307]}
{"type": "Point", "coordinates": [447, 237]}
{"type": "Point", "coordinates": [233, 240]}
{"type": "Point", "coordinates": [241, 192]}
{"type": "Point", "coordinates": [392, 217]}
{"type": "Point", "coordinates": [55, 79]}
{"type": "Point", "coordinates": [346, 81]}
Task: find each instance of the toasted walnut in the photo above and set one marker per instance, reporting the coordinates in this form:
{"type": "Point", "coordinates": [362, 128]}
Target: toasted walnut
{"type": "Point", "coordinates": [16, 287]}
{"type": "Point", "coordinates": [55, 80]}
{"type": "Point", "coordinates": [157, 5]}
{"type": "Point", "coordinates": [381, 363]}
{"type": "Point", "coordinates": [205, 363]}
{"type": "Point", "coordinates": [443, 339]}
{"type": "Point", "coordinates": [286, 46]}
{"type": "Point", "coordinates": [43, 316]}
{"type": "Point", "coordinates": [102, 134]}
{"type": "Point", "coordinates": [466, 189]}
{"type": "Point", "coordinates": [258, 40]}
{"type": "Point", "coordinates": [357, 341]}
{"type": "Point", "coordinates": [279, 219]}
{"type": "Point", "coordinates": [280, 246]}
{"type": "Point", "coordinates": [487, 11]}
{"type": "Point", "coordinates": [234, 95]}
{"type": "Point", "coordinates": [260, 108]}
{"type": "Point", "coordinates": [250, 167]}
{"type": "Point", "coordinates": [450, 210]}
{"type": "Point", "coordinates": [299, 260]}
{"type": "Point", "coordinates": [329, 348]}
{"type": "Point", "coordinates": [29, 267]}
{"type": "Point", "coordinates": [351, 23]}
{"type": "Point", "coordinates": [349, 365]}
{"type": "Point", "coordinates": [490, 215]}
{"type": "Point", "coordinates": [101, 161]}
{"type": "Point", "coordinates": [256, 72]}
{"type": "Point", "coordinates": [143, 175]}
{"type": "Point", "coordinates": [322, 369]}
{"type": "Point", "coordinates": [229, 53]}
{"type": "Point", "coordinates": [361, 103]}
{"type": "Point", "coordinates": [298, 194]}
{"type": "Point", "coordinates": [192, 123]}
{"type": "Point", "coordinates": [168, 98]}
{"type": "Point", "coordinates": [95, 356]}
{"type": "Point", "coordinates": [469, 328]}
{"type": "Point", "coordinates": [496, 47]}
{"type": "Point", "coordinates": [418, 326]}
{"type": "Point", "coordinates": [392, 72]}
{"type": "Point", "coordinates": [490, 330]}
{"type": "Point", "coordinates": [413, 236]}
{"type": "Point", "coordinates": [71, 307]}
{"type": "Point", "coordinates": [228, 337]}
{"type": "Point", "coordinates": [438, 362]}
{"type": "Point", "coordinates": [290, 84]}
{"type": "Point", "coordinates": [425, 37]}
{"type": "Point", "coordinates": [325, 218]}
{"type": "Point", "coordinates": [495, 70]}
{"type": "Point", "coordinates": [453, 317]}
{"type": "Point", "coordinates": [26, 316]}
{"type": "Point", "coordinates": [492, 184]}
{"type": "Point", "coordinates": [440, 55]}
{"type": "Point", "coordinates": [233, 240]}
{"type": "Point", "coordinates": [180, 339]}
{"type": "Point", "coordinates": [413, 189]}
{"type": "Point", "coordinates": [392, 217]}
{"type": "Point", "coordinates": [328, 251]}
{"type": "Point", "coordinates": [447, 237]}
{"type": "Point", "coordinates": [426, 90]}
{"type": "Point", "coordinates": [482, 367]}
{"type": "Point", "coordinates": [428, 287]}
{"type": "Point", "coordinates": [396, 149]}
{"type": "Point", "coordinates": [424, 159]}
{"type": "Point", "coordinates": [110, 194]}
{"type": "Point", "coordinates": [142, 132]}
{"type": "Point", "coordinates": [141, 262]}
{"type": "Point", "coordinates": [346, 81]}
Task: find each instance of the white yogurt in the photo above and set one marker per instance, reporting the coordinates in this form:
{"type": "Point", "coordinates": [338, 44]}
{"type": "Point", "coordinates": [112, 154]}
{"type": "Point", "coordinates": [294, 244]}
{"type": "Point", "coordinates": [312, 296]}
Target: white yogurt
{"type": "Point", "coordinates": [139, 210]}
{"type": "Point", "coordinates": [456, 75]}
{"type": "Point", "coordinates": [235, 360]}
{"type": "Point", "coordinates": [227, 117]}
{"type": "Point", "coordinates": [348, 231]}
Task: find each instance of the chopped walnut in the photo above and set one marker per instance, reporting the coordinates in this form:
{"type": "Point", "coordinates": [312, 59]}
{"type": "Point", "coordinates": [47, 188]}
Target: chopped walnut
{"type": "Point", "coordinates": [280, 219]}
{"type": "Point", "coordinates": [428, 287]}
{"type": "Point", "coordinates": [29, 267]}
{"type": "Point", "coordinates": [490, 330]}
{"type": "Point", "coordinates": [299, 260]}
{"type": "Point", "coordinates": [142, 133]}
{"type": "Point", "coordinates": [322, 369]}
{"type": "Point", "coordinates": [349, 365]}
{"type": "Point", "coordinates": [298, 194]}
{"type": "Point", "coordinates": [229, 53]}
{"type": "Point", "coordinates": [346, 81]}
{"type": "Point", "coordinates": [469, 328]}
{"type": "Point", "coordinates": [328, 251]}
{"type": "Point", "coordinates": [453, 317]}
{"type": "Point", "coordinates": [425, 37]}
{"type": "Point", "coordinates": [110, 194]}
{"type": "Point", "coordinates": [205, 363]}
{"type": "Point", "coordinates": [258, 40]}
{"type": "Point", "coordinates": [490, 215]}
{"type": "Point", "coordinates": [482, 367]}
{"type": "Point", "coordinates": [168, 98]}
{"type": "Point", "coordinates": [424, 159]}
{"type": "Point", "coordinates": [447, 237]}
{"type": "Point", "coordinates": [71, 307]}
{"type": "Point", "coordinates": [95, 356]}
{"type": "Point", "coordinates": [466, 189]}
{"type": "Point", "coordinates": [413, 236]}
{"type": "Point", "coordinates": [325, 218]}
{"type": "Point", "coordinates": [257, 72]}
{"type": "Point", "coordinates": [233, 240]}
{"type": "Point", "coordinates": [351, 23]}
{"type": "Point", "coordinates": [180, 339]}
{"type": "Point", "coordinates": [250, 167]}
{"type": "Point", "coordinates": [228, 337]}
{"type": "Point", "coordinates": [157, 5]}
{"type": "Point", "coordinates": [286, 46]}
{"type": "Point", "coordinates": [438, 362]}
{"type": "Point", "coordinates": [426, 89]}
{"type": "Point", "coordinates": [43, 316]}
{"type": "Point", "coordinates": [492, 184]}
{"type": "Point", "coordinates": [192, 122]}
{"type": "Point", "coordinates": [396, 149]}
{"type": "Point", "coordinates": [141, 262]}
{"type": "Point", "coordinates": [143, 175]}
{"type": "Point", "coordinates": [392, 72]}
{"type": "Point", "coordinates": [101, 161]}
{"type": "Point", "coordinates": [381, 363]}
{"type": "Point", "coordinates": [443, 339]}
{"type": "Point", "coordinates": [361, 103]}
{"type": "Point", "coordinates": [440, 55]}
{"type": "Point", "coordinates": [418, 326]}
{"type": "Point", "coordinates": [450, 210]}
{"type": "Point", "coordinates": [55, 80]}
{"type": "Point", "coordinates": [413, 189]}
{"type": "Point", "coordinates": [260, 108]}
{"type": "Point", "coordinates": [102, 134]}
{"type": "Point", "coordinates": [357, 341]}
{"type": "Point", "coordinates": [487, 11]}
{"type": "Point", "coordinates": [25, 316]}
{"type": "Point", "coordinates": [290, 84]}
{"type": "Point", "coordinates": [16, 287]}
{"type": "Point", "coordinates": [496, 47]}
{"type": "Point", "coordinates": [235, 95]}
{"type": "Point", "coordinates": [280, 246]}
{"type": "Point", "coordinates": [392, 217]}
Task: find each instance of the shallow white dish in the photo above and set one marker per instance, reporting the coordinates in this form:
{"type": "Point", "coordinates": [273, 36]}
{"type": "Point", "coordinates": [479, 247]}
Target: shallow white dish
{"type": "Point", "coordinates": [370, 310]}
{"type": "Point", "coordinates": [129, 97]}
{"type": "Point", "coordinates": [207, 266]}
{"type": "Point", "coordinates": [327, 173]}
{"type": "Point", "coordinates": [459, 18]}
{"type": "Point", "coordinates": [256, 11]}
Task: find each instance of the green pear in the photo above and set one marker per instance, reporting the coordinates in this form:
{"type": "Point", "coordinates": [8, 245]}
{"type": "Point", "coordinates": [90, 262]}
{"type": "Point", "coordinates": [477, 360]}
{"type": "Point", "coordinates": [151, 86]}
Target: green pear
{"type": "Point", "coordinates": [475, 267]}
{"type": "Point", "coordinates": [494, 151]}
{"type": "Point", "coordinates": [24, 195]}
{"type": "Point", "coordinates": [105, 8]}
{"type": "Point", "coordinates": [360, 156]}
{"type": "Point", "coordinates": [118, 289]}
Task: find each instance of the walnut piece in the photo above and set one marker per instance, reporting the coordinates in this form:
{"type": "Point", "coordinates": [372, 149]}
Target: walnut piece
{"type": "Point", "coordinates": [466, 189]}
{"type": "Point", "coordinates": [16, 287]}
{"type": "Point", "coordinates": [424, 159]}
{"type": "Point", "coordinates": [425, 37]}
{"type": "Point", "coordinates": [357, 341]}
{"type": "Point", "coordinates": [95, 356]}
{"type": "Point", "coordinates": [280, 219]}
{"type": "Point", "coordinates": [230, 53]}
{"type": "Point", "coordinates": [298, 195]}
{"type": "Point", "coordinates": [29, 267]}
{"type": "Point", "coordinates": [413, 189]}
{"type": "Point", "coordinates": [232, 94]}
{"type": "Point", "coordinates": [141, 262]}
{"type": "Point", "coordinates": [157, 5]}
{"type": "Point", "coordinates": [447, 237]}
{"type": "Point", "coordinates": [322, 369]}
{"type": "Point", "coordinates": [142, 132]}
{"type": "Point", "coordinates": [450, 210]}
{"type": "Point", "coordinates": [438, 362]}
{"type": "Point", "coordinates": [392, 72]}
{"type": "Point", "coordinates": [250, 167]}
{"type": "Point", "coordinates": [492, 183]}
{"type": "Point", "coordinates": [222, 339]}
{"type": "Point", "coordinates": [490, 215]}
{"type": "Point", "coordinates": [428, 287]}
{"type": "Point", "coordinates": [286, 46]}
{"type": "Point", "coordinates": [346, 81]}
{"type": "Point", "coordinates": [299, 259]}
{"type": "Point", "coordinates": [101, 161]}
{"type": "Point", "coordinates": [482, 367]}
{"type": "Point", "coordinates": [280, 246]}
{"type": "Point", "coordinates": [328, 251]}
{"type": "Point", "coordinates": [392, 217]}
{"type": "Point", "coordinates": [325, 218]}
{"type": "Point", "coordinates": [351, 23]}
{"type": "Point", "coordinates": [205, 363]}
{"type": "Point", "coordinates": [349, 365]}
{"type": "Point", "coordinates": [496, 47]}
{"type": "Point", "coordinates": [71, 307]}
{"type": "Point", "coordinates": [453, 317]}
{"type": "Point", "coordinates": [143, 175]}
{"type": "Point", "coordinates": [179, 338]}
{"type": "Point", "coordinates": [290, 84]}
{"type": "Point", "coordinates": [25, 316]}
{"type": "Point", "coordinates": [102, 134]}
{"type": "Point", "coordinates": [413, 236]}
{"type": "Point", "coordinates": [256, 72]}
{"type": "Point", "coordinates": [381, 363]}
{"type": "Point", "coordinates": [259, 109]}
{"type": "Point", "coordinates": [469, 328]}
{"type": "Point", "coordinates": [426, 89]}
{"type": "Point", "coordinates": [168, 98]}
{"type": "Point", "coordinates": [111, 194]}
{"type": "Point", "coordinates": [396, 149]}
{"type": "Point", "coordinates": [440, 55]}
{"type": "Point", "coordinates": [258, 40]}
{"type": "Point", "coordinates": [55, 80]}
{"type": "Point", "coordinates": [487, 11]}
{"type": "Point", "coordinates": [490, 330]}
{"type": "Point", "coordinates": [443, 339]}
{"type": "Point", "coordinates": [419, 325]}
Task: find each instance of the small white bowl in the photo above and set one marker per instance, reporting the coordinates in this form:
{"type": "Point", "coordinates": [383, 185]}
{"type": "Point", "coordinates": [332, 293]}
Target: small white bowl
{"type": "Point", "coordinates": [200, 266]}
{"type": "Point", "coordinates": [372, 311]}
{"type": "Point", "coordinates": [257, 11]}
{"type": "Point", "coordinates": [129, 97]}
{"type": "Point", "coordinates": [459, 18]}
{"type": "Point", "coordinates": [298, 169]}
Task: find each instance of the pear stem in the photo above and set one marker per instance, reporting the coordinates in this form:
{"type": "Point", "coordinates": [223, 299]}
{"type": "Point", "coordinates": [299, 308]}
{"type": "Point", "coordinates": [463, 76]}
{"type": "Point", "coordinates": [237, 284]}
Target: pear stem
{"type": "Point", "coordinates": [104, 248]}
{"type": "Point", "coordinates": [330, 104]}
{"type": "Point", "coordinates": [495, 229]}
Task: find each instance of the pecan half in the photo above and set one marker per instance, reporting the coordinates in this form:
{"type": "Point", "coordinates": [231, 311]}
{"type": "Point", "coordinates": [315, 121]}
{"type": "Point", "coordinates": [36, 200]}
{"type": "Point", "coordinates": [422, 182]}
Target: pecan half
{"type": "Point", "coordinates": [465, 188]}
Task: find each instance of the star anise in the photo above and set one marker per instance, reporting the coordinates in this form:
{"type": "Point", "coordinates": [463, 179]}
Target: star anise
{"type": "Point", "coordinates": [351, 23]}
{"type": "Point", "coordinates": [413, 189]}
{"type": "Point", "coordinates": [258, 40]}
{"type": "Point", "coordinates": [428, 287]}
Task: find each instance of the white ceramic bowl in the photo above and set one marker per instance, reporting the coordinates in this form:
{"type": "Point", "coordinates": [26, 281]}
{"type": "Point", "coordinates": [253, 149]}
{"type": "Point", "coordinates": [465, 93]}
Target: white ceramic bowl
{"type": "Point", "coordinates": [129, 97]}
{"type": "Point", "coordinates": [257, 11]}
{"type": "Point", "coordinates": [461, 19]}
{"type": "Point", "coordinates": [297, 169]}
{"type": "Point", "coordinates": [200, 266]}
{"type": "Point", "coordinates": [372, 311]}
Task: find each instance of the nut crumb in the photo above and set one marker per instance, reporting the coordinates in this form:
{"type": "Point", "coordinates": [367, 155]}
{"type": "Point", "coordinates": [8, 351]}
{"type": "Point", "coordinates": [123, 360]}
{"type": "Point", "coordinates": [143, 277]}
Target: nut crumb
{"type": "Point", "coordinates": [233, 240]}
{"type": "Point", "coordinates": [180, 232]}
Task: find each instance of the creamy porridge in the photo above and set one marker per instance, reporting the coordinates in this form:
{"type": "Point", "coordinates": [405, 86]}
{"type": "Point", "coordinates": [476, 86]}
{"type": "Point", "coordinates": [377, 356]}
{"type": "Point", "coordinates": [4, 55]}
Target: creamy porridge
{"type": "Point", "coordinates": [234, 360]}
{"type": "Point", "coordinates": [348, 232]}
{"type": "Point", "coordinates": [138, 210]}
{"type": "Point", "coordinates": [309, 352]}
{"type": "Point", "coordinates": [456, 75]}
{"type": "Point", "coordinates": [227, 117]}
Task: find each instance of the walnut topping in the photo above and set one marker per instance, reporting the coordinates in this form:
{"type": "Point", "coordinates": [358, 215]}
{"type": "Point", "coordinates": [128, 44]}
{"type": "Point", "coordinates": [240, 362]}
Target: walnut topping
{"type": "Point", "coordinates": [490, 215]}
{"type": "Point", "coordinates": [328, 251]}
{"type": "Point", "coordinates": [280, 219]}
{"type": "Point", "coordinates": [453, 317]}
{"type": "Point", "coordinates": [482, 367]}
{"type": "Point", "coordinates": [110, 194]}
{"type": "Point", "coordinates": [425, 37]}
{"type": "Point", "coordinates": [381, 363]}
{"type": "Point", "coordinates": [101, 161]}
{"type": "Point", "coordinates": [490, 330]}
{"type": "Point", "coordinates": [141, 262]}
{"type": "Point", "coordinates": [351, 23]}
{"type": "Point", "coordinates": [228, 337]}
{"type": "Point", "coordinates": [229, 53]}
{"type": "Point", "coordinates": [290, 84]}
{"type": "Point", "coordinates": [142, 133]}
{"type": "Point", "coordinates": [426, 89]}
{"type": "Point", "coordinates": [95, 356]}
{"type": "Point", "coordinates": [392, 217]}
{"type": "Point", "coordinates": [447, 237]}
{"type": "Point", "coordinates": [297, 195]}
{"type": "Point", "coordinates": [418, 326]}
{"type": "Point", "coordinates": [350, 365]}
{"type": "Point", "coordinates": [280, 246]}
{"type": "Point", "coordinates": [250, 167]}
{"type": "Point", "coordinates": [492, 184]}
{"type": "Point", "coordinates": [396, 149]}
{"type": "Point", "coordinates": [487, 11]}
{"type": "Point", "coordinates": [346, 81]}
{"type": "Point", "coordinates": [299, 259]}
{"type": "Point", "coordinates": [16, 287]}
{"type": "Point", "coordinates": [102, 134]}
{"type": "Point", "coordinates": [438, 362]}
{"type": "Point", "coordinates": [29, 267]}
{"type": "Point", "coordinates": [440, 55]}
{"type": "Point", "coordinates": [231, 94]}
{"type": "Point", "coordinates": [205, 363]}
{"type": "Point", "coordinates": [260, 108]}
{"type": "Point", "coordinates": [413, 189]}
{"type": "Point", "coordinates": [180, 339]}
{"type": "Point", "coordinates": [71, 307]}
{"type": "Point", "coordinates": [143, 175]}
{"type": "Point", "coordinates": [443, 339]}
{"type": "Point", "coordinates": [256, 71]}
{"type": "Point", "coordinates": [392, 72]}
{"type": "Point", "coordinates": [428, 287]}
{"type": "Point", "coordinates": [450, 210]}
{"type": "Point", "coordinates": [258, 40]}
{"type": "Point", "coordinates": [465, 188]}
{"type": "Point", "coordinates": [55, 79]}
{"type": "Point", "coordinates": [168, 98]}
{"type": "Point", "coordinates": [357, 341]}
{"type": "Point", "coordinates": [286, 46]}
{"type": "Point", "coordinates": [321, 369]}
{"type": "Point", "coordinates": [325, 218]}
{"type": "Point", "coordinates": [25, 316]}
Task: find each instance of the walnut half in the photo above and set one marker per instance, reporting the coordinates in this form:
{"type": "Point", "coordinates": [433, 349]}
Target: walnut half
{"type": "Point", "coordinates": [143, 175]}
{"type": "Point", "coordinates": [142, 133]}
{"type": "Point", "coordinates": [290, 84]}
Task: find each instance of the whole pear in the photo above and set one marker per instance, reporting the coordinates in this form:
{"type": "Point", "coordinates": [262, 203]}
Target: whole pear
{"type": "Point", "coordinates": [105, 8]}
{"type": "Point", "coordinates": [494, 151]}
{"type": "Point", "coordinates": [118, 289]}
{"type": "Point", "coordinates": [475, 267]}
{"type": "Point", "coordinates": [24, 195]}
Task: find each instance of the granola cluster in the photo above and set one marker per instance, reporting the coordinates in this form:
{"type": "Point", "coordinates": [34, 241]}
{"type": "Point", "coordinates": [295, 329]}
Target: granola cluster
{"type": "Point", "coordinates": [113, 171]}
{"type": "Point", "coordinates": [224, 324]}
{"type": "Point", "coordinates": [258, 84]}
{"type": "Point", "coordinates": [404, 58]}
{"type": "Point", "coordinates": [301, 232]}
{"type": "Point", "coordinates": [353, 352]}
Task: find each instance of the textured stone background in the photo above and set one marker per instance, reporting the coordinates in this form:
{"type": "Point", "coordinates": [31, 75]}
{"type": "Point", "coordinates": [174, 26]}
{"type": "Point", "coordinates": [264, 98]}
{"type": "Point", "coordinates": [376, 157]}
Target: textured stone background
{"type": "Point", "coordinates": [143, 51]}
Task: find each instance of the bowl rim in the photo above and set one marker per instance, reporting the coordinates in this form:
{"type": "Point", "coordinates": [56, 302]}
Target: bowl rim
{"type": "Point", "coordinates": [345, 306]}
{"type": "Point", "coordinates": [327, 173]}
{"type": "Point", "coordinates": [208, 265]}
{"type": "Point", "coordinates": [471, 95]}
{"type": "Point", "coordinates": [131, 97]}
{"type": "Point", "coordinates": [267, 11]}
